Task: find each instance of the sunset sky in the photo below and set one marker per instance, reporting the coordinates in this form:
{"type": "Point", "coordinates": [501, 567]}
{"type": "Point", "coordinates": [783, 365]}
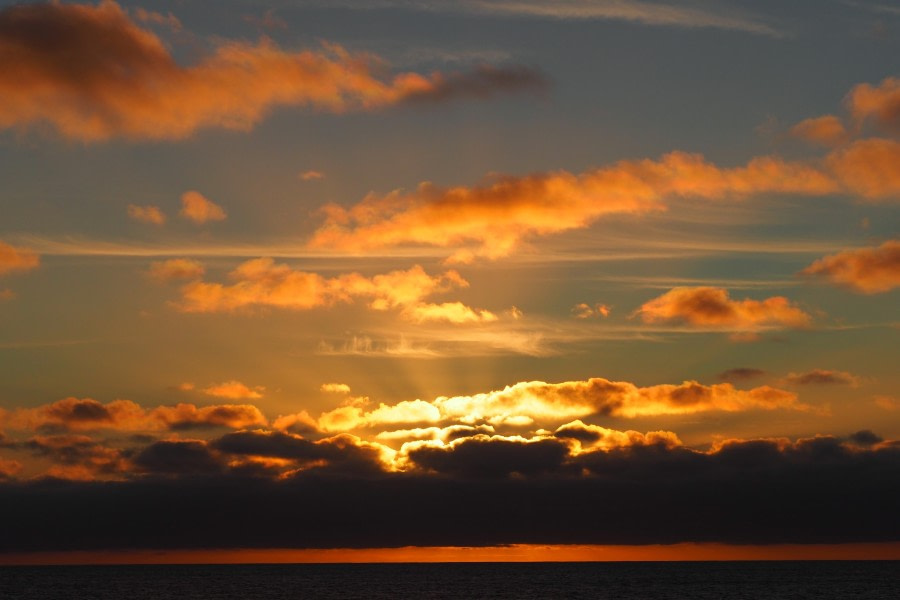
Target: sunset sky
{"type": "Point", "coordinates": [328, 274]}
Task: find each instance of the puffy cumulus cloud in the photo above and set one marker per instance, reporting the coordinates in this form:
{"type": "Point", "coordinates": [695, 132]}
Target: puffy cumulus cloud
{"type": "Point", "coordinates": [489, 456]}
{"type": "Point", "coordinates": [342, 453]}
{"type": "Point", "coordinates": [816, 490]}
{"type": "Point", "coordinates": [175, 269]}
{"type": "Point", "coordinates": [880, 103]}
{"type": "Point", "coordinates": [587, 311]}
{"type": "Point", "coordinates": [709, 307]}
{"type": "Point", "coordinates": [147, 214]}
{"type": "Point", "coordinates": [827, 130]}
{"type": "Point", "coordinates": [14, 259]}
{"type": "Point", "coordinates": [451, 312]}
{"type": "Point", "coordinates": [866, 270]}
{"type": "Point", "coordinates": [335, 388]}
{"type": "Point", "coordinates": [822, 377]}
{"type": "Point", "coordinates": [77, 456]}
{"type": "Point", "coordinates": [234, 390]}
{"type": "Point", "coordinates": [177, 457]}
{"type": "Point", "coordinates": [527, 403]}
{"type": "Point", "coordinates": [542, 401]}
{"type": "Point", "coordinates": [495, 215]}
{"type": "Point", "coordinates": [594, 436]}
{"type": "Point", "coordinates": [354, 415]}
{"type": "Point", "coordinates": [91, 73]}
{"type": "Point", "coordinates": [868, 169]}
{"type": "Point", "coordinates": [84, 414]}
{"type": "Point", "coordinates": [865, 437]}
{"type": "Point", "coordinates": [444, 434]}
{"type": "Point", "coordinates": [198, 208]}
{"type": "Point", "coordinates": [263, 283]}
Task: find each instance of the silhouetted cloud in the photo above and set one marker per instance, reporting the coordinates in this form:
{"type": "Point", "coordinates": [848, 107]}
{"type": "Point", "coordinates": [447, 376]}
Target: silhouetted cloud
{"type": "Point", "coordinates": [740, 374]}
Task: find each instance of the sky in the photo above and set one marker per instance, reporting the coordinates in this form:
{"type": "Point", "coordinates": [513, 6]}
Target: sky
{"type": "Point", "coordinates": [329, 275]}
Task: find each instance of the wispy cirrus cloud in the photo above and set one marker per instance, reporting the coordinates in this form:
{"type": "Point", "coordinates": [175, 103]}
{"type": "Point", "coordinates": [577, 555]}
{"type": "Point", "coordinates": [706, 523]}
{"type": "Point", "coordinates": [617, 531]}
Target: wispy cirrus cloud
{"type": "Point", "coordinates": [635, 11]}
{"type": "Point", "coordinates": [15, 260]}
{"type": "Point", "coordinates": [91, 73]}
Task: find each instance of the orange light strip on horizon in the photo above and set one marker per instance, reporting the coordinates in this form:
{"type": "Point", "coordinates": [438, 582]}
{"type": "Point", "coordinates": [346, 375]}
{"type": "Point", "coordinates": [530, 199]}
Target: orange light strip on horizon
{"type": "Point", "coordinates": [512, 553]}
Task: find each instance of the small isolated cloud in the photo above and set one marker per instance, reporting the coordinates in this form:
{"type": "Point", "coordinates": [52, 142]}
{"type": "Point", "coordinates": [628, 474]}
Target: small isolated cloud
{"type": "Point", "coordinates": [880, 104]}
{"type": "Point", "coordinates": [450, 312]}
{"type": "Point", "coordinates": [176, 269]}
{"type": "Point", "coordinates": [199, 209]}
{"type": "Point", "coordinates": [827, 130]}
{"type": "Point", "coordinates": [740, 374]}
{"type": "Point", "coordinates": [822, 377]}
{"type": "Point", "coordinates": [13, 260]}
{"type": "Point", "coordinates": [147, 214]}
{"type": "Point", "coordinates": [588, 311]}
{"type": "Point", "coordinates": [311, 175]}
{"type": "Point", "coordinates": [866, 270]}
{"type": "Point", "coordinates": [335, 388]}
{"type": "Point", "coordinates": [234, 390]}
{"type": "Point", "coordinates": [708, 307]}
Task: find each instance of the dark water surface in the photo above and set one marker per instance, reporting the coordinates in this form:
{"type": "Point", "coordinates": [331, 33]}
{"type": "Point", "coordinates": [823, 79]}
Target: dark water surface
{"type": "Point", "coordinates": [823, 580]}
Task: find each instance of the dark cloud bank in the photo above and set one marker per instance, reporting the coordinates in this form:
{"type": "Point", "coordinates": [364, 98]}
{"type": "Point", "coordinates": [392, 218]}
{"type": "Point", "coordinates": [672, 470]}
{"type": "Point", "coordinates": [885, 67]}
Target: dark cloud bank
{"type": "Point", "coordinates": [479, 492]}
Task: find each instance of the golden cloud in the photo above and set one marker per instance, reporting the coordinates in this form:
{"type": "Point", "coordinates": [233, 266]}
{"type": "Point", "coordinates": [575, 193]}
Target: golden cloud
{"type": "Point", "coordinates": [498, 213]}
{"type": "Point", "coordinates": [866, 270]}
{"type": "Point", "coordinates": [147, 214]}
{"type": "Point", "coordinates": [175, 269]}
{"type": "Point", "coordinates": [234, 390]}
{"type": "Point", "coordinates": [91, 73]}
{"type": "Point", "coordinates": [262, 283]}
{"type": "Point", "coordinates": [198, 208]}
{"type": "Point", "coordinates": [14, 259]}
{"type": "Point", "coordinates": [712, 307]}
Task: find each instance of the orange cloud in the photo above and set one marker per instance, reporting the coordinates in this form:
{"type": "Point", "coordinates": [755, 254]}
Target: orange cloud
{"type": "Point", "coordinates": [880, 103]}
{"type": "Point", "coordinates": [498, 213]}
{"type": "Point", "coordinates": [335, 388]}
{"type": "Point", "coordinates": [261, 282]}
{"type": "Point", "coordinates": [593, 436]}
{"type": "Point", "coordinates": [827, 130]}
{"type": "Point", "coordinates": [200, 209]}
{"type": "Point", "coordinates": [311, 175]}
{"type": "Point", "coordinates": [866, 270]}
{"type": "Point", "coordinates": [712, 307]}
{"type": "Point", "coordinates": [14, 259]}
{"type": "Point", "coordinates": [9, 468]}
{"type": "Point", "coordinates": [91, 73]}
{"type": "Point", "coordinates": [586, 311]}
{"type": "Point", "coordinates": [85, 414]}
{"type": "Point", "coordinates": [233, 390]}
{"type": "Point", "coordinates": [176, 268]}
{"type": "Point", "coordinates": [868, 168]}
{"type": "Point", "coordinates": [147, 214]}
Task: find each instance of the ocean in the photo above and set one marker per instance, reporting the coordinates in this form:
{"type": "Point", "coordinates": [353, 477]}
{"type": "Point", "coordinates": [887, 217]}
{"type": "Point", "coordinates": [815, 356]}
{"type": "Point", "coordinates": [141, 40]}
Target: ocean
{"type": "Point", "coordinates": [819, 580]}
